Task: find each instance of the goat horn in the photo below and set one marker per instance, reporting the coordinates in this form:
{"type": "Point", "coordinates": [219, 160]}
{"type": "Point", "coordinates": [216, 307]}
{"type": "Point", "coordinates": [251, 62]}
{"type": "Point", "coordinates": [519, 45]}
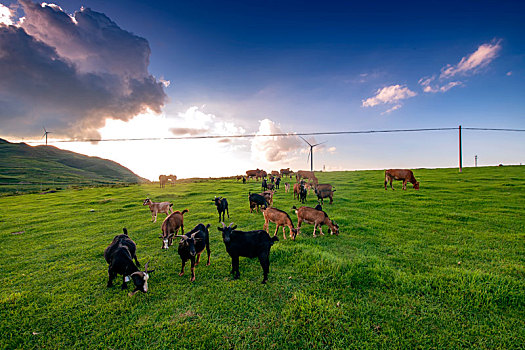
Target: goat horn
{"type": "Point", "coordinates": [230, 225]}
{"type": "Point", "coordinates": [146, 266]}
{"type": "Point", "coordinates": [223, 225]}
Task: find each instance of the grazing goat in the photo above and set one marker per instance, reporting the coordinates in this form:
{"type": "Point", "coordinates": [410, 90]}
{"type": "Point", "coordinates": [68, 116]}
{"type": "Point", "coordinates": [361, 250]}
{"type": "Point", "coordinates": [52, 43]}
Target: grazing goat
{"type": "Point", "coordinates": [163, 179]}
{"type": "Point", "coordinates": [171, 226]}
{"type": "Point", "coordinates": [286, 187]}
{"type": "Point", "coordinates": [304, 174]}
{"type": "Point", "coordinates": [249, 244]}
{"type": "Point", "coordinates": [297, 190]}
{"type": "Point", "coordinates": [268, 195]}
{"type": "Point", "coordinates": [324, 193]}
{"type": "Point", "coordinates": [222, 206]}
{"type": "Point", "coordinates": [318, 207]}
{"type": "Point", "coordinates": [401, 174]}
{"type": "Point", "coordinates": [285, 172]}
{"type": "Point", "coordinates": [192, 244]}
{"type": "Point", "coordinates": [119, 255]}
{"type": "Point", "coordinates": [324, 187]}
{"type": "Point", "coordinates": [256, 200]}
{"type": "Point", "coordinates": [271, 186]}
{"type": "Point", "coordinates": [279, 218]}
{"type": "Point", "coordinates": [161, 207]}
{"type": "Point", "coordinates": [275, 173]}
{"type": "Point", "coordinates": [315, 217]}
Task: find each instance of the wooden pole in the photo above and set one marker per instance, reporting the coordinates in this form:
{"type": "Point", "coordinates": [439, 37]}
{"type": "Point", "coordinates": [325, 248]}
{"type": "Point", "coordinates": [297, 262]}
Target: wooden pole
{"type": "Point", "coordinates": [460, 154]}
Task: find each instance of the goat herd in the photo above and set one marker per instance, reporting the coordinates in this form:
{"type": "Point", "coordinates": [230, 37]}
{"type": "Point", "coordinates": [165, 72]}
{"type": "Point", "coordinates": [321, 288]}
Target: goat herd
{"type": "Point", "coordinates": [121, 252]}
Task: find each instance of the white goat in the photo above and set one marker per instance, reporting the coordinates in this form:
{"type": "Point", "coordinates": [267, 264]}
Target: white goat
{"type": "Point", "coordinates": [162, 207]}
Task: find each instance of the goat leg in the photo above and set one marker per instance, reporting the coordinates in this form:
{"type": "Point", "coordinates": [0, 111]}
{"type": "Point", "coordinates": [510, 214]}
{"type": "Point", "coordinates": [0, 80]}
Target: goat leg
{"type": "Point", "coordinates": [192, 279]}
{"type": "Point", "coordinates": [198, 259]}
{"type": "Point", "coordinates": [182, 269]}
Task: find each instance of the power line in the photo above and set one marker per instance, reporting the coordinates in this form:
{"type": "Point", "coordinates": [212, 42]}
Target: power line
{"type": "Point", "coordinates": [197, 137]}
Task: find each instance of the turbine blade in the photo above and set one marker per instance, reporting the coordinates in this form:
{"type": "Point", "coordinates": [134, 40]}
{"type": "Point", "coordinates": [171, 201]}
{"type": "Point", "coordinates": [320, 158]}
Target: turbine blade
{"type": "Point", "coordinates": [304, 140]}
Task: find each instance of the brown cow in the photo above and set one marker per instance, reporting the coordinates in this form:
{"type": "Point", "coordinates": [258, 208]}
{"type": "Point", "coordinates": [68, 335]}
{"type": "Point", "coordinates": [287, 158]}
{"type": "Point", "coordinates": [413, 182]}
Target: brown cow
{"type": "Point", "coordinates": [401, 174]}
{"type": "Point", "coordinates": [285, 172]}
{"type": "Point", "coordinates": [304, 174]}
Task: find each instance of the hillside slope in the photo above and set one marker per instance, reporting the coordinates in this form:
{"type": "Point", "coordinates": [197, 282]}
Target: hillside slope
{"type": "Point", "coordinates": [21, 164]}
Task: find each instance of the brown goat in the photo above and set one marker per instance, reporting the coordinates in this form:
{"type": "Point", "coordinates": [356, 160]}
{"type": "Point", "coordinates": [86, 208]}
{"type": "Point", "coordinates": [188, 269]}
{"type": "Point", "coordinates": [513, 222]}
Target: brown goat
{"type": "Point", "coordinates": [401, 174]}
{"type": "Point", "coordinates": [268, 195]}
{"type": "Point", "coordinates": [170, 227]}
{"type": "Point", "coordinates": [315, 217]}
{"type": "Point", "coordinates": [155, 208]}
{"type": "Point", "coordinates": [279, 218]}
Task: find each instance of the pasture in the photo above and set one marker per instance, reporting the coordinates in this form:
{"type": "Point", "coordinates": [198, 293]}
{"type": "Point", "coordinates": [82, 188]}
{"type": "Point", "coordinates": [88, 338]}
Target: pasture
{"type": "Point", "coordinates": [442, 267]}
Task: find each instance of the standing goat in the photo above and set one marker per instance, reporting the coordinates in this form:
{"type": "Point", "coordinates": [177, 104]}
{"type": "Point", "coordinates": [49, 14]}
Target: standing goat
{"type": "Point", "coordinates": [171, 226]}
{"type": "Point", "coordinates": [222, 206]}
{"type": "Point", "coordinates": [279, 218]}
{"type": "Point", "coordinates": [250, 244]}
{"type": "Point", "coordinates": [161, 207]}
{"type": "Point", "coordinates": [119, 255]}
{"type": "Point", "coordinates": [192, 244]}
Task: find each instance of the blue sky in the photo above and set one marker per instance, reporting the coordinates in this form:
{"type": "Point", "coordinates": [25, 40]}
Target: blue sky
{"type": "Point", "coordinates": [299, 66]}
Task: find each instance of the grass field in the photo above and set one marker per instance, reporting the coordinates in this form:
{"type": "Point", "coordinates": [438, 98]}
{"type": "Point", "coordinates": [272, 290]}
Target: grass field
{"type": "Point", "coordinates": [438, 268]}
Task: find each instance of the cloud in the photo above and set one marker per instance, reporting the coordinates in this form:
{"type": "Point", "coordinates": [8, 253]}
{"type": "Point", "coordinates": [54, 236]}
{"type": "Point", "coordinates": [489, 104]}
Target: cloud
{"type": "Point", "coordinates": [392, 109]}
{"type": "Point", "coordinates": [485, 54]}
{"type": "Point", "coordinates": [71, 72]}
{"type": "Point", "coordinates": [194, 121]}
{"type": "Point", "coordinates": [427, 85]}
{"type": "Point", "coordinates": [5, 16]}
{"type": "Point", "coordinates": [273, 148]}
{"type": "Point", "coordinates": [331, 150]}
{"type": "Point", "coordinates": [389, 94]}
{"type": "Point", "coordinates": [509, 73]}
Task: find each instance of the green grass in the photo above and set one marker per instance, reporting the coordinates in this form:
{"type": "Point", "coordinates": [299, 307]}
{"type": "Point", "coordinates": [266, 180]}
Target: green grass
{"type": "Point", "coordinates": [26, 169]}
{"type": "Point", "coordinates": [443, 267]}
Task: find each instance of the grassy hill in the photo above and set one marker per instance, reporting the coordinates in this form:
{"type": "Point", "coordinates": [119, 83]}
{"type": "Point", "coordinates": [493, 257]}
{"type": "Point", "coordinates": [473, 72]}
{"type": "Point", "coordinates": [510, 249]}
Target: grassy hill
{"type": "Point", "coordinates": [438, 268]}
{"type": "Point", "coordinates": [26, 168]}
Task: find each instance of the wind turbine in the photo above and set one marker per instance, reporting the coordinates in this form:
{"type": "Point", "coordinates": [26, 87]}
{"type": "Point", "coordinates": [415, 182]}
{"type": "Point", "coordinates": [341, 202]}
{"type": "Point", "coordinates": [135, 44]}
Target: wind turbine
{"type": "Point", "coordinates": [45, 134]}
{"type": "Point", "coordinates": [311, 154]}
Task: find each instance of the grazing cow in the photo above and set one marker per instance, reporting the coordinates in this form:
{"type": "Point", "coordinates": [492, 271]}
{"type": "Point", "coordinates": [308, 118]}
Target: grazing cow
{"type": "Point", "coordinates": [279, 218]}
{"type": "Point", "coordinates": [286, 172]}
{"type": "Point", "coordinates": [304, 174]}
{"type": "Point", "coordinates": [192, 244]}
{"type": "Point", "coordinates": [324, 193]}
{"type": "Point", "coordinates": [401, 174]}
{"type": "Point", "coordinates": [171, 178]}
{"type": "Point", "coordinates": [252, 173]}
{"type": "Point", "coordinates": [264, 185]}
{"type": "Point", "coordinates": [257, 200]}
{"type": "Point", "coordinates": [277, 182]}
{"type": "Point", "coordinates": [119, 255]}
{"type": "Point", "coordinates": [315, 217]}
{"type": "Point", "coordinates": [286, 187]}
{"type": "Point", "coordinates": [249, 244]}
{"type": "Point", "coordinates": [222, 207]}
{"type": "Point", "coordinates": [160, 207]}
{"type": "Point", "coordinates": [171, 226]}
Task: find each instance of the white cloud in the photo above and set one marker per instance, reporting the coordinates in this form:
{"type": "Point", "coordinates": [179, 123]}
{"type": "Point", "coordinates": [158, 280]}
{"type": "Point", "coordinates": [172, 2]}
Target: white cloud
{"type": "Point", "coordinates": [273, 148]}
{"type": "Point", "coordinates": [331, 150]}
{"type": "Point", "coordinates": [509, 73]}
{"type": "Point", "coordinates": [71, 73]}
{"type": "Point", "coordinates": [392, 109]}
{"type": "Point", "coordinates": [389, 94]}
{"type": "Point", "coordinates": [5, 16]}
{"type": "Point", "coordinates": [194, 121]}
{"type": "Point", "coordinates": [485, 54]}
{"type": "Point", "coordinates": [427, 87]}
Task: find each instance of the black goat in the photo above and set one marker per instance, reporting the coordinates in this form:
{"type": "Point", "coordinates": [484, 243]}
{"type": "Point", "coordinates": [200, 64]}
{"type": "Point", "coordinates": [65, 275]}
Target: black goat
{"type": "Point", "coordinates": [222, 206]}
{"type": "Point", "coordinates": [256, 200]}
{"type": "Point", "coordinates": [277, 182]}
{"type": "Point", "coordinates": [264, 185]}
{"type": "Point", "coordinates": [119, 255]}
{"type": "Point", "coordinates": [192, 244]}
{"type": "Point", "coordinates": [249, 244]}
{"type": "Point", "coordinates": [302, 193]}
{"type": "Point", "coordinates": [324, 193]}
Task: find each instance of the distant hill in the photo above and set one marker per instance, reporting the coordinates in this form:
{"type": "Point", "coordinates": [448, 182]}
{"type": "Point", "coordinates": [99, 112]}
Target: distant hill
{"type": "Point", "coordinates": [22, 166]}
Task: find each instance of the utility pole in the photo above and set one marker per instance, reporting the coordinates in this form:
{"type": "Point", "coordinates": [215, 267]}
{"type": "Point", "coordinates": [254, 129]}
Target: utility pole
{"type": "Point", "coordinates": [460, 155]}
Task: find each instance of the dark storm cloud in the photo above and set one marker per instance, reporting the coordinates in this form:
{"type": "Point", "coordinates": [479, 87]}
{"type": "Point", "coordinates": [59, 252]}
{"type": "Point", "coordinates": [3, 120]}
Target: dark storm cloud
{"type": "Point", "coordinates": [71, 73]}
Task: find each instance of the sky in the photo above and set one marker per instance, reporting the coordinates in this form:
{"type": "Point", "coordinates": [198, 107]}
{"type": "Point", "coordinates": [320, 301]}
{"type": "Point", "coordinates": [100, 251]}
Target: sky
{"type": "Point", "coordinates": [99, 69]}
